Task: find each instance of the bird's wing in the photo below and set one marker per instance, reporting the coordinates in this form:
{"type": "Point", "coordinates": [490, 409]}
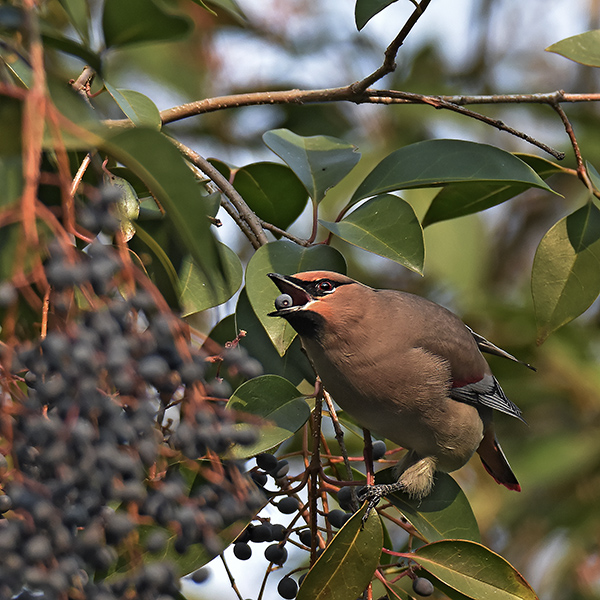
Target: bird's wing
{"type": "Point", "coordinates": [485, 392]}
{"type": "Point", "coordinates": [487, 346]}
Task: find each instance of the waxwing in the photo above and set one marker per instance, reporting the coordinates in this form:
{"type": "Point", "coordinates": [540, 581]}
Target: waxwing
{"type": "Point", "coordinates": [406, 369]}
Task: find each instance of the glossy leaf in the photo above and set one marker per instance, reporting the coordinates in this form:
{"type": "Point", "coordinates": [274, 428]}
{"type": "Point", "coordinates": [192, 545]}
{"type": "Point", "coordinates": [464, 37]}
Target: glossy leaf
{"type": "Point", "coordinates": [542, 166]}
{"type": "Point", "coordinates": [346, 567]}
{"type": "Point", "coordinates": [293, 365]}
{"type": "Point", "coordinates": [90, 132]}
{"type": "Point", "coordinates": [460, 199]}
{"type": "Point", "coordinates": [148, 244]}
{"type": "Point", "coordinates": [18, 67]}
{"type": "Point", "coordinates": [583, 48]}
{"type": "Point", "coordinates": [385, 225]}
{"type": "Point", "coordinates": [272, 191]}
{"type": "Point", "coordinates": [139, 109]}
{"type": "Point", "coordinates": [275, 400]}
{"type": "Point", "coordinates": [138, 21]}
{"type": "Point", "coordinates": [196, 293]}
{"type": "Point", "coordinates": [78, 12]}
{"type": "Point", "coordinates": [285, 258]}
{"type": "Point", "coordinates": [473, 570]}
{"type": "Point", "coordinates": [435, 163]}
{"type": "Point", "coordinates": [365, 10]}
{"type": "Point", "coordinates": [55, 40]}
{"type": "Point", "coordinates": [445, 513]}
{"type": "Point", "coordinates": [150, 156]}
{"type": "Point", "coordinates": [319, 161]}
{"type": "Point", "coordinates": [566, 270]}
{"type": "Point", "coordinates": [593, 174]}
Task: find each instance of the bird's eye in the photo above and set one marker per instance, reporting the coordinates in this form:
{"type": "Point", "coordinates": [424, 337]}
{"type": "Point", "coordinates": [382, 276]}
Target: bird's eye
{"type": "Point", "coordinates": [325, 286]}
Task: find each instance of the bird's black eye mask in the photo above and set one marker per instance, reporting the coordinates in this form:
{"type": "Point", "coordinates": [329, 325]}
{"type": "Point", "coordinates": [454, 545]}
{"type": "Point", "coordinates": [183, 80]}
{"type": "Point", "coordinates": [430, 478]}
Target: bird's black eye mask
{"type": "Point", "coordinates": [320, 287]}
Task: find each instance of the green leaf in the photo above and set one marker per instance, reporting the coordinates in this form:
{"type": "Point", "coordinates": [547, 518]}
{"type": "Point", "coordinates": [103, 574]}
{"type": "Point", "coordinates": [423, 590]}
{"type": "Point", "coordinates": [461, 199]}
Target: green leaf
{"type": "Point", "coordinates": [139, 109]}
{"type": "Point", "coordinates": [435, 163]}
{"type": "Point", "coordinates": [139, 21]}
{"type": "Point", "coordinates": [460, 199]}
{"type": "Point", "coordinates": [583, 48]}
{"type": "Point", "coordinates": [78, 12]}
{"type": "Point", "coordinates": [197, 293]}
{"type": "Point", "coordinates": [365, 10]}
{"type": "Point", "coordinates": [11, 180]}
{"type": "Point", "coordinates": [229, 6]}
{"type": "Point", "coordinates": [17, 66]}
{"type": "Point", "coordinates": [272, 191]}
{"type": "Point", "coordinates": [445, 513]}
{"type": "Point", "coordinates": [276, 400]}
{"type": "Point", "coordinates": [10, 242]}
{"type": "Point", "coordinates": [542, 166]}
{"type": "Point", "coordinates": [150, 156]}
{"type": "Point", "coordinates": [319, 161]}
{"type": "Point", "coordinates": [566, 270]}
{"type": "Point", "coordinates": [386, 225]}
{"type": "Point", "coordinates": [346, 567]}
{"type": "Point", "coordinates": [593, 174]}
{"type": "Point", "coordinates": [286, 258]}
{"type": "Point", "coordinates": [473, 570]}
{"type": "Point", "coordinates": [293, 365]}
{"type": "Point", "coordinates": [53, 39]}
{"type": "Point", "coordinates": [149, 243]}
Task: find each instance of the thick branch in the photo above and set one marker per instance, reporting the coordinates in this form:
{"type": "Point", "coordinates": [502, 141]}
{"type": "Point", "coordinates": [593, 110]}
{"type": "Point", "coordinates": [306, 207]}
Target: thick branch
{"type": "Point", "coordinates": [347, 94]}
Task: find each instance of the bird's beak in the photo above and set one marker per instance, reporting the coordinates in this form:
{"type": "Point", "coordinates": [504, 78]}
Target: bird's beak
{"type": "Point", "coordinates": [292, 287]}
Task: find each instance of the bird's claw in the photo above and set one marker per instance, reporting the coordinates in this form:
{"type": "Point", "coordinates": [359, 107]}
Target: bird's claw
{"type": "Point", "coordinates": [373, 494]}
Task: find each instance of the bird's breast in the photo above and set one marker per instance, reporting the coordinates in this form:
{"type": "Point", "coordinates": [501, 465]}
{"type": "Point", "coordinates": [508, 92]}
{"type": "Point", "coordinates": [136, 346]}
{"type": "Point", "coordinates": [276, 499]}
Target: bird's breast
{"type": "Point", "coordinates": [401, 394]}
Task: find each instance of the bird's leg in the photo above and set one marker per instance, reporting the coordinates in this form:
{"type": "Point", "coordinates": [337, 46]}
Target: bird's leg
{"type": "Point", "coordinates": [374, 493]}
{"type": "Point", "coordinates": [415, 479]}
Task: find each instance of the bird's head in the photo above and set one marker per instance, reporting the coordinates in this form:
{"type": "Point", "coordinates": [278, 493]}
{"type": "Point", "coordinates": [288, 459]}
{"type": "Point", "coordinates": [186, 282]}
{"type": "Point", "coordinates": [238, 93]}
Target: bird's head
{"type": "Point", "coordinates": [311, 298]}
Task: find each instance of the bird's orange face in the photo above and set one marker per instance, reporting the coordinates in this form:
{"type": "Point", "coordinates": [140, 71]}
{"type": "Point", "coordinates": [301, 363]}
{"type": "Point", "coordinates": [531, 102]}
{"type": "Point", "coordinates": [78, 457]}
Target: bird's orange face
{"type": "Point", "coordinates": [307, 299]}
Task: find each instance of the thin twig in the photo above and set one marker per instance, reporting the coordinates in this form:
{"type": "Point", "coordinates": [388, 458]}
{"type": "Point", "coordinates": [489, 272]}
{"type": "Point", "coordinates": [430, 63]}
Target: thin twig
{"type": "Point", "coordinates": [82, 84]}
{"type": "Point", "coordinates": [34, 111]}
{"type": "Point", "coordinates": [389, 61]}
{"type": "Point", "coordinates": [581, 170]}
{"type": "Point", "coordinates": [283, 233]}
{"type": "Point", "coordinates": [315, 469]}
{"type": "Point", "coordinates": [231, 578]}
{"type": "Point", "coordinates": [85, 163]}
{"type": "Point", "coordinates": [339, 436]}
{"type": "Point", "coordinates": [253, 222]}
{"type": "Point", "coordinates": [440, 102]}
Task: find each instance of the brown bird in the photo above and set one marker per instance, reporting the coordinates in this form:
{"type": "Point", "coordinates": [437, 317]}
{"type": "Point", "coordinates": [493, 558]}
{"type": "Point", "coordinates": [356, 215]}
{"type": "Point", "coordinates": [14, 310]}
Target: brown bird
{"type": "Point", "coordinates": [405, 368]}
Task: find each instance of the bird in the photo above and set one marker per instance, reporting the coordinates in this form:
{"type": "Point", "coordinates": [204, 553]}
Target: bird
{"type": "Point", "coordinates": [404, 368]}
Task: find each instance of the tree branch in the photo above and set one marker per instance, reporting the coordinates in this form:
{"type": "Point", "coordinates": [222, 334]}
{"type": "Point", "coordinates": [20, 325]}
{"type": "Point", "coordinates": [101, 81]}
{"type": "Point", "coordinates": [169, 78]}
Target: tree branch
{"type": "Point", "coordinates": [581, 170]}
{"type": "Point", "coordinates": [389, 61]}
{"type": "Point", "coordinates": [347, 94]}
{"type": "Point", "coordinates": [258, 237]}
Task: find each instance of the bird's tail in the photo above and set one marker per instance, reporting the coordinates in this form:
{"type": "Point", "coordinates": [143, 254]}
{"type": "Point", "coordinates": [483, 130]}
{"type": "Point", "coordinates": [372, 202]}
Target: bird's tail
{"type": "Point", "coordinates": [495, 462]}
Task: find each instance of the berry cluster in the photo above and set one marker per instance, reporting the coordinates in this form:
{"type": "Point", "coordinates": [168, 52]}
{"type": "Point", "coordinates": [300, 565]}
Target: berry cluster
{"type": "Point", "coordinates": [103, 423]}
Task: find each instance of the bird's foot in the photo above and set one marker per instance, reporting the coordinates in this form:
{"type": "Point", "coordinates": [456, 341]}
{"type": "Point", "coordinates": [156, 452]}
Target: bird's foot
{"type": "Point", "coordinates": [374, 493]}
